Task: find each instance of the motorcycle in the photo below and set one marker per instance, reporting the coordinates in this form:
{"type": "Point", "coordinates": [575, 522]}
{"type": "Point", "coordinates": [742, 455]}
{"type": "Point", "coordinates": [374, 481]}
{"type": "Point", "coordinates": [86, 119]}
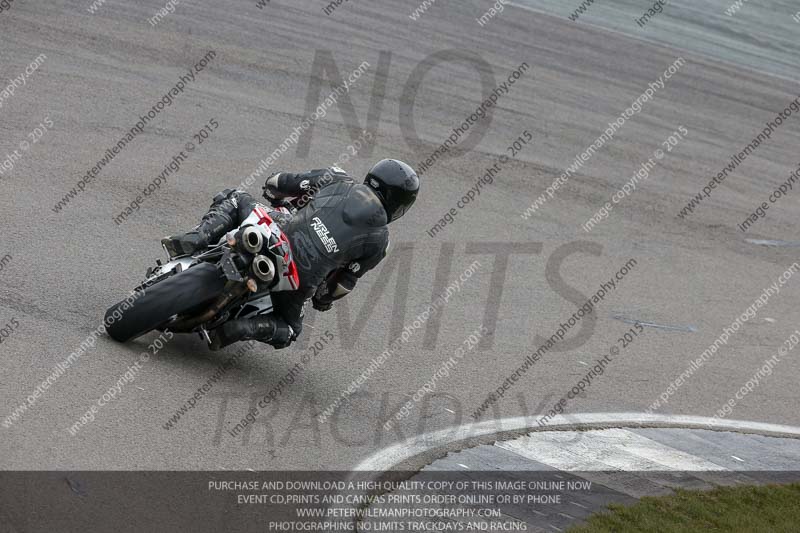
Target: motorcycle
{"type": "Point", "coordinates": [228, 280]}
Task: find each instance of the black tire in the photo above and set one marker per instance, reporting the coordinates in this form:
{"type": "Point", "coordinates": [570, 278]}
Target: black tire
{"type": "Point", "coordinates": [160, 302]}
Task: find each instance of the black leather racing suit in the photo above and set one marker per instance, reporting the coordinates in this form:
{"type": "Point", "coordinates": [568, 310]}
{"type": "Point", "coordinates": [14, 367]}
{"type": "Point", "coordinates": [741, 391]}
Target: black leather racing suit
{"type": "Point", "coordinates": [337, 235]}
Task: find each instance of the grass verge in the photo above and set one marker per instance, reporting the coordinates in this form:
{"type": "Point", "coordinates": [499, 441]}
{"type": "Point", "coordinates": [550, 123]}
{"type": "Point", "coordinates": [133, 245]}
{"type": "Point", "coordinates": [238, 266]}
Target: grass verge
{"type": "Point", "coordinates": [773, 508]}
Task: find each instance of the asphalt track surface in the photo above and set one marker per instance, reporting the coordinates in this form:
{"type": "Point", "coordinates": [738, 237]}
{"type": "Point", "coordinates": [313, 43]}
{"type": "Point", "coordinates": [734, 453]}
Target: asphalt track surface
{"type": "Point", "coordinates": [102, 71]}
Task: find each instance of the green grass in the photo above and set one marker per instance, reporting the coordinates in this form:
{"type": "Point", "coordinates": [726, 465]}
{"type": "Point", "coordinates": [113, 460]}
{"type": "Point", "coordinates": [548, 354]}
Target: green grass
{"type": "Point", "coordinates": [770, 508]}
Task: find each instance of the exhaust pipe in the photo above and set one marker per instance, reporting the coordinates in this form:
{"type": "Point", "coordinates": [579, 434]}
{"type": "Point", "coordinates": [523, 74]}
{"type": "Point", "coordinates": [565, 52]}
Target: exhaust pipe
{"type": "Point", "coordinates": [252, 240]}
{"type": "Point", "coordinates": [263, 268]}
{"type": "Point", "coordinates": [231, 293]}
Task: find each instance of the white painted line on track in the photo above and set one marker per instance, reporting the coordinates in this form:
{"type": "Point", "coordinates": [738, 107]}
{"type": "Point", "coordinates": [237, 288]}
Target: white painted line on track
{"type": "Point", "coordinates": [394, 455]}
{"type": "Point", "coordinates": [602, 450]}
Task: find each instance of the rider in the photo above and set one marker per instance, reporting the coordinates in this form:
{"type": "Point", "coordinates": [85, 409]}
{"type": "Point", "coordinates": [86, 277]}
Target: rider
{"type": "Point", "coordinates": [337, 234]}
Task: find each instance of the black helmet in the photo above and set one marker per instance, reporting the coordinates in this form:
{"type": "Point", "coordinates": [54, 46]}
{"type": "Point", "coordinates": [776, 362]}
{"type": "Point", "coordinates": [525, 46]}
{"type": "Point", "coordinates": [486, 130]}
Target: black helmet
{"type": "Point", "coordinates": [396, 184]}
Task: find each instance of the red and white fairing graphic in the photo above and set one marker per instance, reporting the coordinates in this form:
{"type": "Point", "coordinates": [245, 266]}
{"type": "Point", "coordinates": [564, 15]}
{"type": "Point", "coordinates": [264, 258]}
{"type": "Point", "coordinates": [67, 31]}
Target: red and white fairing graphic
{"type": "Point", "coordinates": [289, 279]}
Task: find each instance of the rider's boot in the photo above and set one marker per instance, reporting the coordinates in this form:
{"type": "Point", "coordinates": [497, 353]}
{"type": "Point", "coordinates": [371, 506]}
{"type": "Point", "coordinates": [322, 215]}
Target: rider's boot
{"type": "Point", "coordinates": [261, 328]}
{"type": "Point", "coordinates": [213, 226]}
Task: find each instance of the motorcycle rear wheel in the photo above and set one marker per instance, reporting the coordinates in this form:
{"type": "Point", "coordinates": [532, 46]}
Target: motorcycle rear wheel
{"type": "Point", "coordinates": [157, 304]}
